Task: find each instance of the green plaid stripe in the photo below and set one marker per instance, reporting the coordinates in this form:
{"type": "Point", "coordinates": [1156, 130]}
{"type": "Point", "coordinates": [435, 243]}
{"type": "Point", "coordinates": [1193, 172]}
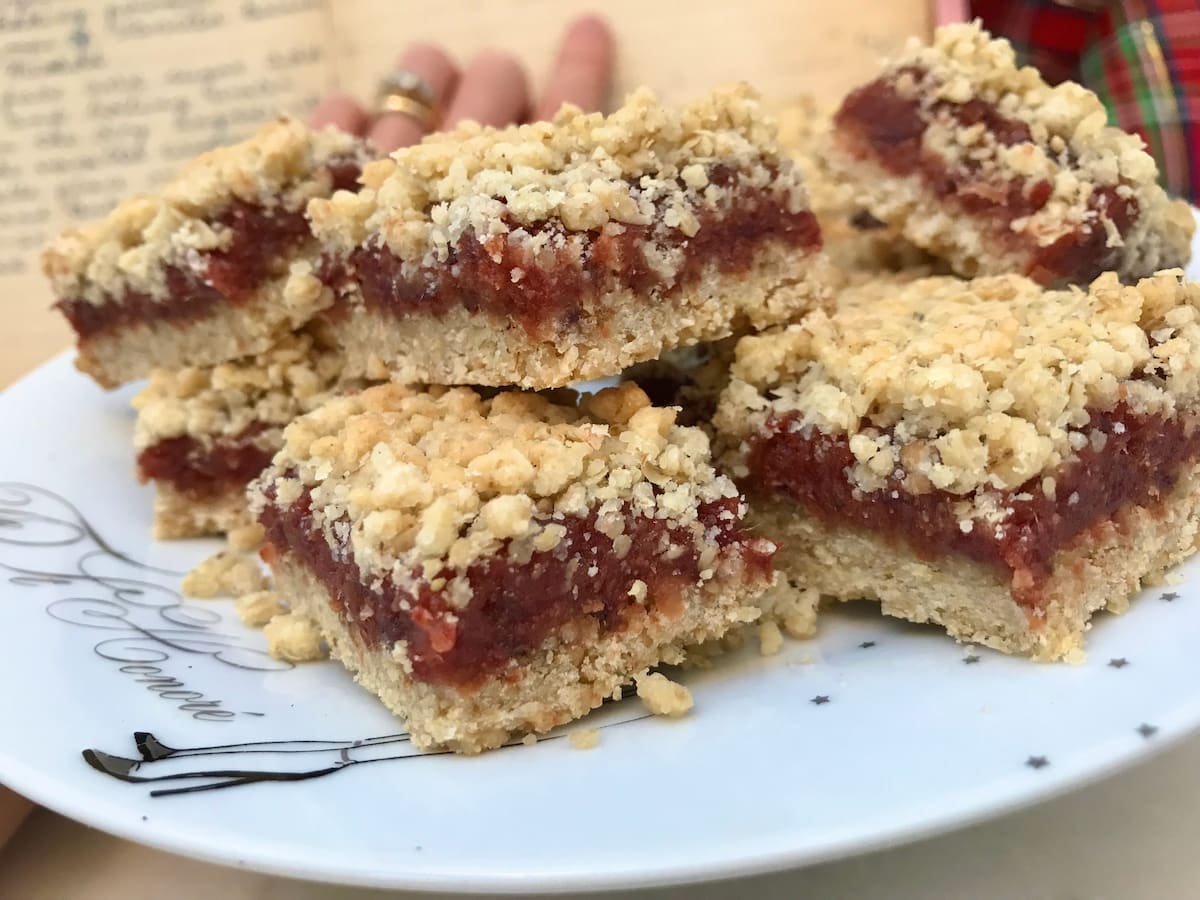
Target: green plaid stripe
{"type": "Point", "coordinates": [1141, 57]}
{"type": "Point", "coordinates": [1129, 71]}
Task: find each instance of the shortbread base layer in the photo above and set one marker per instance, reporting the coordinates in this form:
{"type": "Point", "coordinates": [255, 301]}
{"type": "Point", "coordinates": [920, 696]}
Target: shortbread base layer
{"type": "Point", "coordinates": [1101, 569]}
{"type": "Point", "coordinates": [557, 683]}
{"type": "Point", "coordinates": [225, 332]}
{"type": "Point", "coordinates": [180, 515]}
{"type": "Point", "coordinates": [976, 245]}
{"type": "Point", "coordinates": [619, 328]}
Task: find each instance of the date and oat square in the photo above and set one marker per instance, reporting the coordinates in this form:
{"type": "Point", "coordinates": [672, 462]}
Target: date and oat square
{"type": "Point", "coordinates": [989, 456]}
{"type": "Point", "coordinates": [985, 165]}
{"type": "Point", "coordinates": [197, 273]}
{"type": "Point", "coordinates": [552, 252]}
{"type": "Point", "coordinates": [855, 241]}
{"type": "Point", "coordinates": [497, 566]}
{"type": "Point", "coordinates": [203, 433]}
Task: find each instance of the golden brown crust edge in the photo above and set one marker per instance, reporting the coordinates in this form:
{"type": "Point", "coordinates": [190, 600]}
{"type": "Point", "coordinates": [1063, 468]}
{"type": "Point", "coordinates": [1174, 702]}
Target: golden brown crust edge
{"type": "Point", "coordinates": [130, 352]}
{"type": "Point", "coordinates": [465, 348]}
{"type": "Point", "coordinates": [555, 688]}
{"type": "Point", "coordinates": [1100, 570]}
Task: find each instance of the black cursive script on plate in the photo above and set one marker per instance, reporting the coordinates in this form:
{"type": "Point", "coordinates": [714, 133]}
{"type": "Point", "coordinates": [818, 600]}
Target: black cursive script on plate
{"type": "Point", "coordinates": [147, 623]}
{"type": "Point", "coordinates": [285, 761]}
{"type": "Point", "coordinates": [299, 760]}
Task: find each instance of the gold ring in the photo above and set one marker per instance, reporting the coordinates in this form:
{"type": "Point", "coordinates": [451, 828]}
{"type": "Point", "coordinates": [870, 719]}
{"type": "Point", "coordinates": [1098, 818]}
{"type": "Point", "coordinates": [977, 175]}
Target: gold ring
{"type": "Point", "coordinates": [407, 93]}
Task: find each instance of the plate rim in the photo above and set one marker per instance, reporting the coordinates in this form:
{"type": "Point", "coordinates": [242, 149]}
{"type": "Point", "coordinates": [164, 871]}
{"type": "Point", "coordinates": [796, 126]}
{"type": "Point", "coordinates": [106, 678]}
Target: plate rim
{"type": "Point", "coordinates": [975, 810]}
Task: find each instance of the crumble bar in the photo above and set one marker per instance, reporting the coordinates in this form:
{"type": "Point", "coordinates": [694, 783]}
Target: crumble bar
{"type": "Point", "coordinates": [995, 171]}
{"type": "Point", "coordinates": [855, 241]}
{"type": "Point", "coordinates": [988, 455]}
{"type": "Point", "coordinates": [197, 273]}
{"type": "Point", "coordinates": [552, 252]}
{"type": "Point", "coordinates": [202, 434]}
{"type": "Point", "coordinates": [491, 567]}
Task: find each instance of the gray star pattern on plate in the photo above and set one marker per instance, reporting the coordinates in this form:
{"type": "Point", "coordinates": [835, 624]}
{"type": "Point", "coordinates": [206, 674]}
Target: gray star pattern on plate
{"type": "Point", "coordinates": [1169, 596]}
{"type": "Point", "coordinates": [820, 699]}
{"type": "Point", "coordinates": [1119, 663]}
{"type": "Point", "coordinates": [970, 660]}
{"type": "Point", "coordinates": [1146, 730]}
{"type": "Point", "coordinates": [1037, 762]}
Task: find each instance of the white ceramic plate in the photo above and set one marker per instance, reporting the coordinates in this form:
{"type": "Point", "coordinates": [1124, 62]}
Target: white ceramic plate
{"type": "Point", "coordinates": [876, 732]}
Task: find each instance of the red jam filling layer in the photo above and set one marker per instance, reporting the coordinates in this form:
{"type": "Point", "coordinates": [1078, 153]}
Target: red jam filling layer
{"type": "Point", "coordinates": [1140, 461]}
{"type": "Point", "coordinates": [556, 282]}
{"type": "Point", "coordinates": [515, 606]}
{"type": "Point", "coordinates": [261, 241]}
{"type": "Point", "coordinates": [881, 123]}
{"type": "Point", "coordinates": [204, 471]}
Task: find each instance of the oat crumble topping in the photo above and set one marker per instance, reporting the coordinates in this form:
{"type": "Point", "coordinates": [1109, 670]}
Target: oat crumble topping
{"type": "Point", "coordinates": [281, 165]}
{"type": "Point", "coordinates": [972, 386]}
{"type": "Point", "coordinates": [804, 126]}
{"type": "Point", "coordinates": [1073, 148]}
{"type": "Point", "coordinates": [642, 165]}
{"type": "Point", "coordinates": [269, 389]}
{"type": "Point", "coordinates": [424, 483]}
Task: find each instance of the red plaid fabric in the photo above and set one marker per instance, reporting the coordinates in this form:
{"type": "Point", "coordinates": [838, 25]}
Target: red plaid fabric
{"type": "Point", "coordinates": [1142, 57]}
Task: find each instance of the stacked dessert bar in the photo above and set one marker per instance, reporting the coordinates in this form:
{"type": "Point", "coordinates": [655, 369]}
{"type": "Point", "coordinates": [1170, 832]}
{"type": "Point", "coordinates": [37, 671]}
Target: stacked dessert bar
{"type": "Point", "coordinates": [992, 455]}
{"type": "Point", "coordinates": [490, 566]}
{"type": "Point", "coordinates": [558, 251]}
{"type": "Point", "coordinates": [985, 165]}
{"type": "Point", "coordinates": [488, 561]}
{"type": "Point", "coordinates": [198, 288]}
{"type": "Point", "coordinates": [987, 416]}
{"type": "Point", "coordinates": [988, 455]}
{"type": "Point", "coordinates": [200, 273]}
{"type": "Point", "coordinates": [205, 432]}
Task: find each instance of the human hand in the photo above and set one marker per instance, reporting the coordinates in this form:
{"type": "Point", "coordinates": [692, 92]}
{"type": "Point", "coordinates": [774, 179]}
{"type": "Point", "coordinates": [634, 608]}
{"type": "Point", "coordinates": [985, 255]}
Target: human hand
{"type": "Point", "coordinates": [493, 88]}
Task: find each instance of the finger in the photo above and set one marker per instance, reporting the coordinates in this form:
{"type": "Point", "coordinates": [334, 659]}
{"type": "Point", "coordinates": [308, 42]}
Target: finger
{"type": "Point", "coordinates": [583, 71]}
{"type": "Point", "coordinates": [946, 12]}
{"type": "Point", "coordinates": [341, 112]}
{"type": "Point", "coordinates": [393, 130]}
{"type": "Point", "coordinates": [493, 91]}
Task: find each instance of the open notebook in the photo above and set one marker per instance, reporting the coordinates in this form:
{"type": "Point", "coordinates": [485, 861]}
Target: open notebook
{"type": "Point", "coordinates": [102, 99]}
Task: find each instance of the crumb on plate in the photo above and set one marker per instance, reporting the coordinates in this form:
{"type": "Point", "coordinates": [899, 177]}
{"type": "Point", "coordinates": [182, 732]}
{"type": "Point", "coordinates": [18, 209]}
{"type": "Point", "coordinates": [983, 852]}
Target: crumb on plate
{"type": "Point", "coordinates": [585, 738]}
{"type": "Point", "coordinates": [662, 696]}
{"type": "Point", "coordinates": [294, 638]}
{"type": "Point", "coordinates": [227, 574]}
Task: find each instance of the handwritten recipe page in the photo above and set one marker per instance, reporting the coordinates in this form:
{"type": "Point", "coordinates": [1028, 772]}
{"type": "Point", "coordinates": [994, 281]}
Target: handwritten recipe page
{"type": "Point", "coordinates": [100, 100]}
